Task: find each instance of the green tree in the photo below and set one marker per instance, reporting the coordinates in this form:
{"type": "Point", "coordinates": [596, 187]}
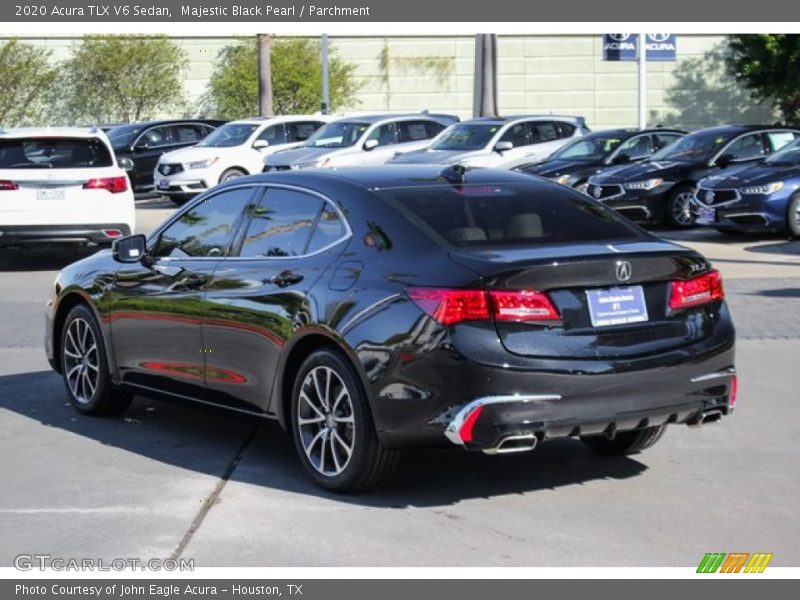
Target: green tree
{"type": "Point", "coordinates": [769, 66]}
{"type": "Point", "coordinates": [112, 78]}
{"type": "Point", "coordinates": [27, 80]}
{"type": "Point", "coordinates": [296, 79]}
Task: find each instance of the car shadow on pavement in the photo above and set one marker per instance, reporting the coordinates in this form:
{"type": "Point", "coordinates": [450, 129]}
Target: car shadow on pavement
{"type": "Point", "coordinates": [210, 441]}
{"type": "Point", "coordinates": [44, 260]}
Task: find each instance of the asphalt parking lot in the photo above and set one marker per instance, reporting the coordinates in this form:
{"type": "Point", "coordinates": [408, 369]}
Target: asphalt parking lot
{"type": "Point", "coordinates": [167, 480]}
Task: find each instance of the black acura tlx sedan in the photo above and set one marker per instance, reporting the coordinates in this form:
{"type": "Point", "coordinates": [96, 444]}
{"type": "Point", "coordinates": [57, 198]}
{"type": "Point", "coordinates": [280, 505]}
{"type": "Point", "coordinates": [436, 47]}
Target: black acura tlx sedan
{"type": "Point", "coordinates": [370, 310]}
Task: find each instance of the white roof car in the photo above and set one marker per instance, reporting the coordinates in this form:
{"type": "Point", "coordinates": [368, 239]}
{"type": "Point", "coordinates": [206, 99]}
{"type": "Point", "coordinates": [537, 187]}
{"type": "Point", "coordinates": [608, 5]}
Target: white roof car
{"type": "Point", "coordinates": [366, 140]}
{"type": "Point", "coordinates": [235, 149]}
{"type": "Point", "coordinates": [62, 185]}
{"type": "Point", "coordinates": [498, 142]}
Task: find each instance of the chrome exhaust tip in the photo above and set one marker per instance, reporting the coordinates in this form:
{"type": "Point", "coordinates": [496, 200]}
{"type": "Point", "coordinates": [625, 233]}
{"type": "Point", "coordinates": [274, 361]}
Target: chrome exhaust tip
{"type": "Point", "coordinates": [514, 443]}
{"type": "Point", "coordinates": [707, 417]}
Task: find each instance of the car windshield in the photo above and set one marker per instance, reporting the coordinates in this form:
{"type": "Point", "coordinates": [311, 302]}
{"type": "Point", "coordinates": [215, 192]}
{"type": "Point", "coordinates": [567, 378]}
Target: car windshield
{"type": "Point", "coordinates": [54, 153]}
{"type": "Point", "coordinates": [507, 215]}
{"type": "Point", "coordinates": [788, 156]}
{"type": "Point", "coordinates": [466, 136]}
{"type": "Point", "coordinates": [693, 147]}
{"type": "Point", "coordinates": [589, 148]}
{"type": "Point", "coordinates": [231, 134]}
{"type": "Point", "coordinates": [124, 134]}
{"type": "Point", "coordinates": [340, 134]}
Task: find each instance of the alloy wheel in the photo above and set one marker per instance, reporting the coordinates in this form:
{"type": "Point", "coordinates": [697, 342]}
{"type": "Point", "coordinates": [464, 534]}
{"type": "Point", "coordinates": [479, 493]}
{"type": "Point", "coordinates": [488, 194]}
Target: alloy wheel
{"type": "Point", "coordinates": [682, 209]}
{"type": "Point", "coordinates": [325, 421]}
{"type": "Point", "coordinates": [81, 361]}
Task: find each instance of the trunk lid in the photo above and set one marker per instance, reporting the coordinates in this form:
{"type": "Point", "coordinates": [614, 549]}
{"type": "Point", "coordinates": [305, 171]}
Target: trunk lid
{"type": "Point", "coordinates": [566, 274]}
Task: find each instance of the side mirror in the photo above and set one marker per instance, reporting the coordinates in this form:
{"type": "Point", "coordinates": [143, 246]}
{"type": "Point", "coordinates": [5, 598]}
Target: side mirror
{"type": "Point", "coordinates": [370, 145]}
{"type": "Point", "coordinates": [503, 146]}
{"type": "Point", "coordinates": [130, 249]}
{"type": "Point", "coordinates": [725, 160]}
{"type": "Point", "coordinates": [142, 144]}
{"type": "Point", "coordinates": [260, 144]}
{"type": "Point", "coordinates": [621, 159]}
{"type": "Point", "coordinates": [125, 163]}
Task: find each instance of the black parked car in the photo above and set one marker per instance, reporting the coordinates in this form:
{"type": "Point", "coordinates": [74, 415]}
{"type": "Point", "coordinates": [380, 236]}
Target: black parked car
{"type": "Point", "coordinates": [573, 164]}
{"type": "Point", "coordinates": [660, 190]}
{"type": "Point", "coordinates": [138, 146]}
{"type": "Point", "coordinates": [374, 309]}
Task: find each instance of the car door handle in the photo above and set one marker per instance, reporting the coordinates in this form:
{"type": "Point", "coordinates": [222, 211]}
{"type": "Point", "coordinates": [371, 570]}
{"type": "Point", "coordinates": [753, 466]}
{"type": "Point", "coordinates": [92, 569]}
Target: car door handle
{"type": "Point", "coordinates": [168, 270]}
{"type": "Point", "coordinates": [192, 282]}
{"type": "Point", "coordinates": [286, 278]}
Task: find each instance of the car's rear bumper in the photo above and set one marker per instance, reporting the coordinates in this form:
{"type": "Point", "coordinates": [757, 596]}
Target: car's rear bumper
{"type": "Point", "coordinates": [93, 234]}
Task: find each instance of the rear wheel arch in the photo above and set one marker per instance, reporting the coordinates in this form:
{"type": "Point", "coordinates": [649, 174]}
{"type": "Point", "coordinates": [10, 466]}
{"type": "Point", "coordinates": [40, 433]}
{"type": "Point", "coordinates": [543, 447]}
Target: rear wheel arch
{"type": "Point", "coordinates": [301, 349]}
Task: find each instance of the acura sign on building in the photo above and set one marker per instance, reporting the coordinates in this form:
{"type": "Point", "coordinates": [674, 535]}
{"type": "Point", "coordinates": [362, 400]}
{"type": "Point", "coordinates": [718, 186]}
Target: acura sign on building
{"type": "Point", "coordinates": [623, 46]}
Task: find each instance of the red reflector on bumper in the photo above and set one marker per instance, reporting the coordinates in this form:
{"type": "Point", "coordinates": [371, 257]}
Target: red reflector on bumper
{"type": "Point", "coordinates": [469, 424]}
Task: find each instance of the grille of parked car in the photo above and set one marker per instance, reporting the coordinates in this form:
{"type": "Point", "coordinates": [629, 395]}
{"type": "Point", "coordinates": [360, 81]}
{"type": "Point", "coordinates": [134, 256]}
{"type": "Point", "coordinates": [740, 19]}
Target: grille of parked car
{"type": "Point", "coordinates": [713, 197]}
{"type": "Point", "coordinates": [600, 192]}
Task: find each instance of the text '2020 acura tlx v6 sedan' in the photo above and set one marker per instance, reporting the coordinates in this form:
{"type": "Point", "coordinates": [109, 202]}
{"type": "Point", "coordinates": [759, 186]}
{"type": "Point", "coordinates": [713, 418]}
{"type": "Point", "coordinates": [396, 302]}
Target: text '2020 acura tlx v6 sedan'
{"type": "Point", "coordinates": [372, 309]}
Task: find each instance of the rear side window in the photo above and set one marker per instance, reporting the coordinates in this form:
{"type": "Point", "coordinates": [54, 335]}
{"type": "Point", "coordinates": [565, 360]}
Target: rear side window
{"type": "Point", "coordinates": [543, 131]}
{"type": "Point", "coordinates": [187, 133]}
{"type": "Point", "coordinates": [54, 153]}
{"type": "Point", "coordinates": [500, 215]}
{"type": "Point", "coordinates": [301, 130]}
{"type": "Point", "coordinates": [415, 131]}
{"type": "Point", "coordinates": [281, 225]}
{"type": "Point", "coordinates": [566, 129]}
{"type": "Point", "coordinates": [778, 139]}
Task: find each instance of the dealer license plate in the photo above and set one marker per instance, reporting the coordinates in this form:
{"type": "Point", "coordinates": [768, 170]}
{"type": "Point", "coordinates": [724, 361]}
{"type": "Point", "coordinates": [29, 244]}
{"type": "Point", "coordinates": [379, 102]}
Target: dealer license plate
{"type": "Point", "coordinates": [617, 306]}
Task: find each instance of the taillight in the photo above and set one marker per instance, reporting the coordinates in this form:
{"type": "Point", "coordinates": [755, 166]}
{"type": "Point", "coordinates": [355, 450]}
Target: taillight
{"type": "Point", "coordinates": [734, 390]}
{"type": "Point", "coordinates": [522, 306]}
{"type": "Point", "coordinates": [115, 185]}
{"type": "Point", "coordinates": [450, 306]}
{"type": "Point", "coordinates": [8, 186]}
{"type": "Point", "coordinates": [696, 291]}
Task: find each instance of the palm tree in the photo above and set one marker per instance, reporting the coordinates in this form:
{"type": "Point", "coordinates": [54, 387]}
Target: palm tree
{"type": "Point", "coordinates": [485, 102]}
{"type": "Point", "coordinates": [264, 75]}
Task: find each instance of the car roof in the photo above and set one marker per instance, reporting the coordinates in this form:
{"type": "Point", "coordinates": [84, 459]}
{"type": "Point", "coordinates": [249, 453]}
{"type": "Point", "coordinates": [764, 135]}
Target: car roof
{"type": "Point", "coordinates": [375, 118]}
{"type": "Point", "coordinates": [23, 132]}
{"type": "Point", "coordinates": [142, 124]}
{"type": "Point", "coordinates": [381, 178]}
{"type": "Point", "coordinates": [631, 131]}
{"type": "Point", "coordinates": [279, 119]}
{"type": "Point", "coordinates": [736, 129]}
{"type": "Point", "coordinates": [512, 118]}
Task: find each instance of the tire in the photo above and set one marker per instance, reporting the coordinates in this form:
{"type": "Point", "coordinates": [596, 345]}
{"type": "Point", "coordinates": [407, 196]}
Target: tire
{"type": "Point", "coordinates": [678, 210]}
{"type": "Point", "coordinates": [85, 368]}
{"type": "Point", "coordinates": [330, 417]}
{"type": "Point", "coordinates": [793, 218]}
{"type": "Point", "coordinates": [231, 174]}
{"type": "Point", "coordinates": [625, 442]}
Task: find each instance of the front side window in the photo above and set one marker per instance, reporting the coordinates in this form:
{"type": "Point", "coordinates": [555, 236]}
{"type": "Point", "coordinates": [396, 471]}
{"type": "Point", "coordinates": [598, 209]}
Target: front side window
{"type": "Point", "coordinates": [746, 148]}
{"type": "Point", "coordinates": [275, 135]}
{"type": "Point", "coordinates": [229, 135]}
{"type": "Point", "coordinates": [693, 147]}
{"type": "Point", "coordinates": [517, 134]}
{"type": "Point", "coordinates": [465, 136]}
{"type": "Point", "coordinates": [205, 230]}
{"type": "Point", "coordinates": [415, 131]}
{"type": "Point", "coordinates": [188, 133]}
{"type": "Point", "coordinates": [637, 147]}
{"type": "Point", "coordinates": [385, 134]}
{"type": "Point", "coordinates": [152, 138]}
{"type": "Point", "coordinates": [54, 153]}
{"type": "Point", "coordinates": [339, 134]}
{"type": "Point", "coordinates": [588, 148]}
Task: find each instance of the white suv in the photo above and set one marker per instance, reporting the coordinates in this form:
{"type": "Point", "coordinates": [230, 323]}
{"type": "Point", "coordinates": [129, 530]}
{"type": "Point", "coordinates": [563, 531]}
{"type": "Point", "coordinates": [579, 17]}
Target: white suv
{"type": "Point", "coordinates": [235, 149]}
{"type": "Point", "coordinates": [498, 142]}
{"type": "Point", "coordinates": [62, 185]}
{"type": "Point", "coordinates": [365, 140]}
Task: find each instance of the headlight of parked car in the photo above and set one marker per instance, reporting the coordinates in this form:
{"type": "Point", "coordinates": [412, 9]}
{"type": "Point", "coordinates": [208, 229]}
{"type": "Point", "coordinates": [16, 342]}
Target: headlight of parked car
{"type": "Point", "coordinates": [202, 164]}
{"type": "Point", "coordinates": [647, 184]}
{"type": "Point", "coordinates": [770, 188]}
{"type": "Point", "coordinates": [125, 163]}
{"type": "Point", "coordinates": [564, 179]}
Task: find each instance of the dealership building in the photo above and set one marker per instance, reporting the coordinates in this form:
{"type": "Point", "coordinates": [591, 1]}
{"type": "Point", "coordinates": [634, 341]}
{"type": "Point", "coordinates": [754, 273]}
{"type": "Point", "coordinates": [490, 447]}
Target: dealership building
{"type": "Point", "coordinates": [537, 74]}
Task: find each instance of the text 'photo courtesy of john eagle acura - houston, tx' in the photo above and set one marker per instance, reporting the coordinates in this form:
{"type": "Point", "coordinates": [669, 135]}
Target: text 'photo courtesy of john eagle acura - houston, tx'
{"type": "Point", "coordinates": [371, 309]}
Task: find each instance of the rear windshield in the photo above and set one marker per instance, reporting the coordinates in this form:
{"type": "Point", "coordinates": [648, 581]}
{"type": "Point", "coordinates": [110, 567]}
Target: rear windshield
{"type": "Point", "coordinates": [54, 153]}
{"type": "Point", "coordinates": [499, 215]}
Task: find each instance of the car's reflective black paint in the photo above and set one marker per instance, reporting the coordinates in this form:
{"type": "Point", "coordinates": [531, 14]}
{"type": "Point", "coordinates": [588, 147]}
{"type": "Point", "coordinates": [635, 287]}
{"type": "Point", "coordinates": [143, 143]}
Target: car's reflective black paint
{"type": "Point", "coordinates": [669, 201]}
{"type": "Point", "coordinates": [233, 331]}
{"type": "Point", "coordinates": [575, 172]}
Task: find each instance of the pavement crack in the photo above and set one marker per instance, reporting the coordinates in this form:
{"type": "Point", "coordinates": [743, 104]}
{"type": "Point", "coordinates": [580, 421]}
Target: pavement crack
{"type": "Point", "coordinates": [215, 493]}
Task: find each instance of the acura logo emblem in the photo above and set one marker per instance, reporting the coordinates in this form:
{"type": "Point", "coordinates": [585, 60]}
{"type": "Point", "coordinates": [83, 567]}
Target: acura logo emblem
{"type": "Point", "coordinates": [597, 192]}
{"type": "Point", "coordinates": [623, 270]}
{"type": "Point", "coordinates": [710, 197]}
